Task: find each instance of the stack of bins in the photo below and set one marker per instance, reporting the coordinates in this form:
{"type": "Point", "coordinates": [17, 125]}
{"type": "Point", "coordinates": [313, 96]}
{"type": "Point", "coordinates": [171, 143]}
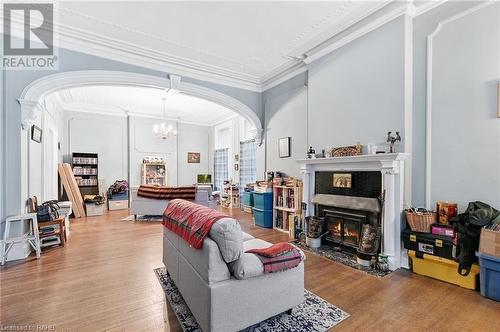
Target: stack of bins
{"type": "Point", "coordinates": [263, 209]}
{"type": "Point", "coordinates": [247, 201]}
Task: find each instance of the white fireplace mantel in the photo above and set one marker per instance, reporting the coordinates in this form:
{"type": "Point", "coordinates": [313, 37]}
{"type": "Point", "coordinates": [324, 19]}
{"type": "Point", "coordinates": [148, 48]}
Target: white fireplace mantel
{"type": "Point", "coordinates": [391, 165]}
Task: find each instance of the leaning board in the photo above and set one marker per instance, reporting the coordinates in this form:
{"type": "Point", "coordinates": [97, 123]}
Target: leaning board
{"type": "Point", "coordinates": [67, 189]}
{"type": "Point", "coordinates": [74, 188]}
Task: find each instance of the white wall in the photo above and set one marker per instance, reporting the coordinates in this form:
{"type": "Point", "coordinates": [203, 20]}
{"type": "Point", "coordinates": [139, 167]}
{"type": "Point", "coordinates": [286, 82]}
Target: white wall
{"type": "Point", "coordinates": [102, 134]}
{"type": "Point", "coordinates": [465, 149]}
{"type": "Point", "coordinates": [123, 142]}
{"type": "Point", "coordinates": [193, 138]}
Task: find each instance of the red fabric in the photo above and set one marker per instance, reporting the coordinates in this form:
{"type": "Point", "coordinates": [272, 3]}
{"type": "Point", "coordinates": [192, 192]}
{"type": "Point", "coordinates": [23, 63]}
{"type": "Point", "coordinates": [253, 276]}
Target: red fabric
{"type": "Point", "coordinates": [274, 250]}
{"type": "Point", "coordinates": [288, 259]}
{"type": "Point", "coordinates": [190, 221]}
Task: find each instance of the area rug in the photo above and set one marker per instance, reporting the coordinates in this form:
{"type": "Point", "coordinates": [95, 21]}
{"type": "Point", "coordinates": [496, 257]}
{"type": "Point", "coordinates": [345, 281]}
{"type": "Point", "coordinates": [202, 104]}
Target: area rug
{"type": "Point", "coordinates": [144, 218]}
{"type": "Point", "coordinates": [342, 257]}
{"type": "Point", "coordinates": [313, 315]}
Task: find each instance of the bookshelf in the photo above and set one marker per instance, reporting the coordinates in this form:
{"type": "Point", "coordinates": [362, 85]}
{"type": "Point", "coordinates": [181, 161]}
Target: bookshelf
{"type": "Point", "coordinates": [154, 173]}
{"type": "Point", "coordinates": [287, 202]}
{"type": "Point", "coordinates": [86, 171]}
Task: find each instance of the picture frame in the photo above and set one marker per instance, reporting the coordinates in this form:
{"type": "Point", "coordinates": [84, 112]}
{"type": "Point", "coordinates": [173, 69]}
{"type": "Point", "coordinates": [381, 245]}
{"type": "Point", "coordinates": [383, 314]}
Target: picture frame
{"type": "Point", "coordinates": [236, 167]}
{"type": "Point", "coordinates": [193, 158]}
{"type": "Point", "coordinates": [36, 134]}
{"type": "Point", "coordinates": [342, 180]}
{"type": "Point", "coordinates": [284, 150]}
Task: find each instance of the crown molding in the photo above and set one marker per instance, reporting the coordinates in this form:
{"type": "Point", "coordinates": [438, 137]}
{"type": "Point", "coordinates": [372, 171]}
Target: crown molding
{"type": "Point", "coordinates": [355, 26]}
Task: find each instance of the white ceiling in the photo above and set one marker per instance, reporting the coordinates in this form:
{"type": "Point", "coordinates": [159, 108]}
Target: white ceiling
{"type": "Point", "coordinates": [248, 40]}
{"type": "Point", "coordinates": [140, 101]}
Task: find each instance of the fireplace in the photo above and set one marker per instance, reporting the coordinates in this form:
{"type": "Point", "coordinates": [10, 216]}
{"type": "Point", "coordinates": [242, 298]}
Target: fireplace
{"type": "Point", "coordinates": [390, 180]}
{"type": "Point", "coordinates": [344, 228]}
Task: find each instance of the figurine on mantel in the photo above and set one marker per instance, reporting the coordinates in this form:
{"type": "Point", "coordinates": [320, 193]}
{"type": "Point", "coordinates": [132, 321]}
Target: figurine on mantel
{"type": "Point", "coordinates": [311, 153]}
{"type": "Point", "coordinates": [392, 140]}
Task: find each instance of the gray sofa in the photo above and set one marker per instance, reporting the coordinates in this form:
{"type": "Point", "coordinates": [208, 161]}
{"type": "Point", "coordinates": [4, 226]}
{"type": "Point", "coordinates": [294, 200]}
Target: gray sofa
{"type": "Point", "coordinates": [226, 288]}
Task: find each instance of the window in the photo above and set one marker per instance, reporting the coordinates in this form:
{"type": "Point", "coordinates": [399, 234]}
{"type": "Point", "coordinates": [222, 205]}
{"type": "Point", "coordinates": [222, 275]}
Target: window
{"type": "Point", "coordinates": [221, 166]}
{"type": "Point", "coordinates": [248, 169]}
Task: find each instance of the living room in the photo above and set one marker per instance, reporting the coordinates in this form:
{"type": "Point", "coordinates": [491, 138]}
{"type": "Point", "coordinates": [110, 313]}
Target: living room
{"type": "Point", "coordinates": [334, 163]}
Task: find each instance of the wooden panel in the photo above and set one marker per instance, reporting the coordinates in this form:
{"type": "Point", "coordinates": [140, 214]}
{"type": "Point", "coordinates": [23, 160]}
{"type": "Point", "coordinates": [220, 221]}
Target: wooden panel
{"type": "Point", "coordinates": [67, 189]}
{"type": "Point", "coordinates": [74, 188]}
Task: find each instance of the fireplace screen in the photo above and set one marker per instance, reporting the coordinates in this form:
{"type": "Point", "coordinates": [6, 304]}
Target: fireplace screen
{"type": "Point", "coordinates": [344, 227]}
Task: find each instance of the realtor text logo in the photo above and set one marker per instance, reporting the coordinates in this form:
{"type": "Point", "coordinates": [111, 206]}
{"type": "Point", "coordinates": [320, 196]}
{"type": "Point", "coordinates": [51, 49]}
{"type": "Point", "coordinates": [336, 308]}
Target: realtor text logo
{"type": "Point", "coordinates": [28, 36]}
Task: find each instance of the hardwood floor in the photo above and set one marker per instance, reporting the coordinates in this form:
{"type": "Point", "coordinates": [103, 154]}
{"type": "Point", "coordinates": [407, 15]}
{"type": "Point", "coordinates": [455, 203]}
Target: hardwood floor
{"type": "Point", "coordinates": [103, 280]}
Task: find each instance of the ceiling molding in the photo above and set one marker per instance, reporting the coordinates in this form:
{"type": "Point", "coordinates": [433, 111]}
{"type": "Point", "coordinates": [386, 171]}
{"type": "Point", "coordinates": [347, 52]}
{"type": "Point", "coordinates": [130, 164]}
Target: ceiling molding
{"type": "Point", "coordinates": [360, 22]}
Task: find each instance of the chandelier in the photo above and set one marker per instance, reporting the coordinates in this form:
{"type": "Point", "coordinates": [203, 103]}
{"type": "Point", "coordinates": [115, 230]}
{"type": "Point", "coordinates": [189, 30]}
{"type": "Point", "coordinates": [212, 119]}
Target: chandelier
{"type": "Point", "coordinates": [162, 130]}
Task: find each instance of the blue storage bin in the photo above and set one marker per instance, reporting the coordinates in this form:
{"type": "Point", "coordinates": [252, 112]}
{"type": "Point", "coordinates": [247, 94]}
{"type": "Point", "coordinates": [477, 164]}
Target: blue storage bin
{"type": "Point", "coordinates": [119, 197]}
{"type": "Point", "coordinates": [263, 218]}
{"type": "Point", "coordinates": [489, 276]}
{"type": "Point", "coordinates": [247, 198]}
{"type": "Point", "coordinates": [263, 201]}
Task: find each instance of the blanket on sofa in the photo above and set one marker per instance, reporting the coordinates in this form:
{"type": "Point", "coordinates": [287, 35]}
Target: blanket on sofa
{"type": "Point", "coordinates": [190, 221]}
{"type": "Point", "coordinates": [278, 257]}
{"type": "Point", "coordinates": [161, 192]}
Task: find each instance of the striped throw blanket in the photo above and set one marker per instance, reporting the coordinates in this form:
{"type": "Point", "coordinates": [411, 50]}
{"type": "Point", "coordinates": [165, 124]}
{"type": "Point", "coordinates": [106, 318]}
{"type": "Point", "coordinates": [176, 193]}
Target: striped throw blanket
{"type": "Point", "coordinates": [278, 257]}
{"type": "Point", "coordinates": [160, 192]}
{"type": "Point", "coordinates": [190, 221]}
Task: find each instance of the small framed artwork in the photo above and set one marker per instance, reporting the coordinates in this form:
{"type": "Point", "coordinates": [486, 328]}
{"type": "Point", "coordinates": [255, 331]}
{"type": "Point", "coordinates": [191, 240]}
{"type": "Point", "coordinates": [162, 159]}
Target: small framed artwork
{"type": "Point", "coordinates": [284, 147]}
{"type": "Point", "coordinates": [236, 167]}
{"type": "Point", "coordinates": [36, 134]}
{"type": "Point", "coordinates": [193, 157]}
{"type": "Point", "coordinates": [342, 180]}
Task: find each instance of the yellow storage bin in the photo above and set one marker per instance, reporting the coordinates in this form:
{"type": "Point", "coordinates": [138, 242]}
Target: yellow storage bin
{"type": "Point", "coordinates": [443, 269]}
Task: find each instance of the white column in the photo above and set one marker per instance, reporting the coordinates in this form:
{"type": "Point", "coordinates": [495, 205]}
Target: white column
{"type": "Point", "coordinates": [308, 187]}
{"type": "Point", "coordinates": [390, 219]}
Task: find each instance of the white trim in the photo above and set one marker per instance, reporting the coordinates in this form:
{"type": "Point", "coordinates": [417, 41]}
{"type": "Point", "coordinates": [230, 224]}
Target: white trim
{"type": "Point", "coordinates": [428, 111]}
{"type": "Point", "coordinates": [35, 91]}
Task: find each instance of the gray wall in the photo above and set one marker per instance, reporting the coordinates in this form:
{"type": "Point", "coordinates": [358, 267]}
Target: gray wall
{"type": "Point", "coordinates": [356, 94]}
{"type": "Point", "coordinates": [193, 138]}
{"type": "Point", "coordinates": [286, 116]}
{"type": "Point", "coordinates": [16, 81]}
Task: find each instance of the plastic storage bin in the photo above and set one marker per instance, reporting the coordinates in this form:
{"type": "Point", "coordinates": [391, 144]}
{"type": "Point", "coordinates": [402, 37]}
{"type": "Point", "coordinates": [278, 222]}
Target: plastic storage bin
{"type": "Point", "coordinates": [247, 198]}
{"type": "Point", "coordinates": [489, 276]}
{"type": "Point", "coordinates": [437, 245]}
{"type": "Point", "coordinates": [443, 269]}
{"type": "Point", "coordinates": [263, 201]}
{"type": "Point", "coordinates": [263, 218]}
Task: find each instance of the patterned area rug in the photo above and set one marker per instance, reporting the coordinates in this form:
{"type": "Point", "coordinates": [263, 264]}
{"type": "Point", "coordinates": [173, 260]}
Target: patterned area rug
{"type": "Point", "coordinates": [342, 257]}
{"type": "Point", "coordinates": [313, 315]}
{"type": "Point", "coordinates": [144, 218]}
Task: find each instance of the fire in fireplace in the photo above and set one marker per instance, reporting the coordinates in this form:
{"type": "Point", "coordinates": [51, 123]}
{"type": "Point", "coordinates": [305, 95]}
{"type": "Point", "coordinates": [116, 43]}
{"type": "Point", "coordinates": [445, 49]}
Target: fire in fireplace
{"type": "Point", "coordinates": [343, 225]}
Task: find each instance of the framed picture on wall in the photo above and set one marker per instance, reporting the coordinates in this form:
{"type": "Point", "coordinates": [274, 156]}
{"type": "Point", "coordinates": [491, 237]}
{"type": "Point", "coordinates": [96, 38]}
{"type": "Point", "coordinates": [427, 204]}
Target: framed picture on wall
{"type": "Point", "coordinates": [36, 134]}
{"type": "Point", "coordinates": [284, 147]}
{"type": "Point", "coordinates": [342, 180]}
{"type": "Point", "coordinates": [193, 157]}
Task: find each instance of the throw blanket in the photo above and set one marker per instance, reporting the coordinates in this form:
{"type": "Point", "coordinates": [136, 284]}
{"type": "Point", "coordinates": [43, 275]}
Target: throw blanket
{"type": "Point", "coordinates": [190, 221]}
{"type": "Point", "coordinates": [158, 192]}
{"type": "Point", "coordinates": [278, 257]}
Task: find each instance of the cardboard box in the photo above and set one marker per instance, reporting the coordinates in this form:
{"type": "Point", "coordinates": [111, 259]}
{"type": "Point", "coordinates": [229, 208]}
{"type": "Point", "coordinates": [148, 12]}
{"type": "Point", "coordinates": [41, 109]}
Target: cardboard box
{"type": "Point", "coordinates": [489, 242]}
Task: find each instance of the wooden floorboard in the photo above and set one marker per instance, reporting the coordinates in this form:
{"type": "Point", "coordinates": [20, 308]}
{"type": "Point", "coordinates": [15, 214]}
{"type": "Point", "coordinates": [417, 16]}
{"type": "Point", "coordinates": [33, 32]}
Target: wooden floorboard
{"type": "Point", "coordinates": [103, 280]}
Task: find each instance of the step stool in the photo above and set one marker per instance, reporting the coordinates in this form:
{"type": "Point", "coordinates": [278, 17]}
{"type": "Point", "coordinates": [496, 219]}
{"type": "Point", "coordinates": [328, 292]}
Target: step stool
{"type": "Point", "coordinates": [32, 236]}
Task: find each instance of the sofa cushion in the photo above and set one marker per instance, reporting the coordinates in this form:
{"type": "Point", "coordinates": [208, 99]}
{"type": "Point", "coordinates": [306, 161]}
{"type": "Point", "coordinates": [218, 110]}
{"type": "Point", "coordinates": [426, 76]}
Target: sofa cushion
{"type": "Point", "coordinates": [246, 236]}
{"type": "Point", "coordinates": [227, 233]}
{"type": "Point", "coordinates": [249, 265]}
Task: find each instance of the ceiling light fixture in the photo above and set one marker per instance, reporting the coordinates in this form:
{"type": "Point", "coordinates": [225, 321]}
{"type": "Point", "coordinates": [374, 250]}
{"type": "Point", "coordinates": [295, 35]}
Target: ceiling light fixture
{"type": "Point", "coordinates": [163, 130]}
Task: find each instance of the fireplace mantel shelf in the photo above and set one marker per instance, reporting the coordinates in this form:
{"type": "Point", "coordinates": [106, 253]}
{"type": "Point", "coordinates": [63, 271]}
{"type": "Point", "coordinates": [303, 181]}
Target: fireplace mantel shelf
{"type": "Point", "coordinates": [356, 159]}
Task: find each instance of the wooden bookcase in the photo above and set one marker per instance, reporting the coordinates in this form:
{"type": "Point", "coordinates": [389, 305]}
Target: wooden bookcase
{"type": "Point", "coordinates": [154, 173]}
{"type": "Point", "coordinates": [86, 171]}
{"type": "Point", "coordinates": [287, 205]}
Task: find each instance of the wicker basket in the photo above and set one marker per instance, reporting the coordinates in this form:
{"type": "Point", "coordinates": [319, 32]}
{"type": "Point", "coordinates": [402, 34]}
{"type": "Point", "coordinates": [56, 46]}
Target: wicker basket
{"type": "Point", "coordinates": [421, 222]}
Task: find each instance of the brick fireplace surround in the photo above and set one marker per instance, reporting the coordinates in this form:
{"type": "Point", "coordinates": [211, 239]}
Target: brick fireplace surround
{"type": "Point", "coordinates": [391, 165]}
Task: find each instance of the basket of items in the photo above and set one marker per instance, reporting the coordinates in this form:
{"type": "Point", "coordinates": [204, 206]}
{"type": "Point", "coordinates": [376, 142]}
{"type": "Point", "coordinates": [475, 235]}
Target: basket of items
{"type": "Point", "coordinates": [420, 219]}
